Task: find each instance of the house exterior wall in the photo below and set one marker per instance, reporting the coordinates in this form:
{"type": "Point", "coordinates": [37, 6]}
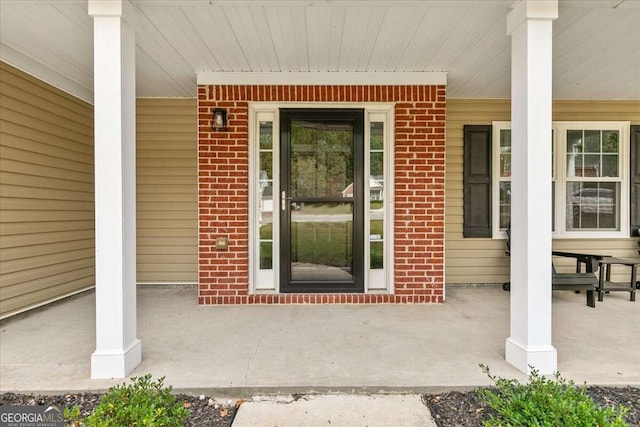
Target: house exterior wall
{"type": "Point", "coordinates": [419, 191]}
{"type": "Point", "coordinates": [474, 260]}
{"type": "Point", "coordinates": [167, 200]}
{"type": "Point", "coordinates": [46, 197]}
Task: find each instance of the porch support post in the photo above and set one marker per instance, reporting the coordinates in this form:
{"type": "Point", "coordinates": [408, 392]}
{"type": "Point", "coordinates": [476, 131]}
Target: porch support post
{"type": "Point", "coordinates": [118, 350]}
{"type": "Point", "coordinates": [530, 27]}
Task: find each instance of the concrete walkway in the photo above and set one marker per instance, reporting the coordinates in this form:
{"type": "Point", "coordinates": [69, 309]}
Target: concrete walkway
{"type": "Point", "coordinates": [240, 351]}
{"type": "Point", "coordinates": [335, 411]}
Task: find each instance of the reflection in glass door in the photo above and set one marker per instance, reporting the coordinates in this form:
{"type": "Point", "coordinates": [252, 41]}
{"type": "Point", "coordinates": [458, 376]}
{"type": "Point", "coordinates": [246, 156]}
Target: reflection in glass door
{"type": "Point", "coordinates": [321, 200]}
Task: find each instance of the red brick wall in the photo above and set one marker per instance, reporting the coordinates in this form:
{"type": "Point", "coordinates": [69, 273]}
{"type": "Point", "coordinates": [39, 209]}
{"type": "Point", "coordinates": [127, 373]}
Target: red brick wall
{"type": "Point", "coordinates": [223, 191]}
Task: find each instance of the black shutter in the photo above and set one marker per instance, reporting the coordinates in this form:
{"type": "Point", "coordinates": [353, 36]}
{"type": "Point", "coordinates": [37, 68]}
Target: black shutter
{"type": "Point", "coordinates": [635, 180]}
{"type": "Point", "coordinates": [477, 181]}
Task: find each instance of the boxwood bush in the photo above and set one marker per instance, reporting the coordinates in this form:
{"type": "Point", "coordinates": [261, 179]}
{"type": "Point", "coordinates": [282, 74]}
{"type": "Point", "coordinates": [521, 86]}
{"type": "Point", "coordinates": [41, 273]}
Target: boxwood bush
{"type": "Point", "coordinates": [143, 402]}
{"type": "Point", "coordinates": [545, 402]}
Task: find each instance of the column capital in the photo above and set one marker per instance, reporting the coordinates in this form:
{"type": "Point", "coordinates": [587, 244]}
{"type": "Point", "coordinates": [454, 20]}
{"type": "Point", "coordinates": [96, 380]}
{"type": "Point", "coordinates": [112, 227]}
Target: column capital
{"type": "Point", "coordinates": [524, 10]}
{"type": "Point", "coordinates": [115, 8]}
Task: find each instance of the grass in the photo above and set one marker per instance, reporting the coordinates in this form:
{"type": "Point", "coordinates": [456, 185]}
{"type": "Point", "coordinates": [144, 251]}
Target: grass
{"type": "Point", "coordinates": [326, 243]}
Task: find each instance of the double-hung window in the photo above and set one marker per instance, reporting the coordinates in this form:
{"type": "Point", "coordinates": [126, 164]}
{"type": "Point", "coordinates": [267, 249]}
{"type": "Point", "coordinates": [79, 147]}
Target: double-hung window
{"type": "Point", "coordinates": [590, 179]}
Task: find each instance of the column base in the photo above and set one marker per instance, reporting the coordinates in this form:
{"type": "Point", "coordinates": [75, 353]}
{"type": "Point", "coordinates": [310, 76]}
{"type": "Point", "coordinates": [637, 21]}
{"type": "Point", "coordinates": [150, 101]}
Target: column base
{"type": "Point", "coordinates": [115, 364]}
{"type": "Point", "coordinates": [544, 358]}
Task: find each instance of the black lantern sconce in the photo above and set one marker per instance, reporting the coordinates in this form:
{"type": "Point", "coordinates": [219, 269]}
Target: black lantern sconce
{"type": "Point", "coordinates": [219, 120]}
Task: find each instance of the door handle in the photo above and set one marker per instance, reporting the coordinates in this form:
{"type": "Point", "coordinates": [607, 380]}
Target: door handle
{"type": "Point", "coordinates": [284, 197]}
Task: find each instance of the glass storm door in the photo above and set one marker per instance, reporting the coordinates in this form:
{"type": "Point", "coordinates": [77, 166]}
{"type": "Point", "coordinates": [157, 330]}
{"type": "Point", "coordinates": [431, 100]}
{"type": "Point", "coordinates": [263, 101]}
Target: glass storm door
{"type": "Point", "coordinates": [321, 200]}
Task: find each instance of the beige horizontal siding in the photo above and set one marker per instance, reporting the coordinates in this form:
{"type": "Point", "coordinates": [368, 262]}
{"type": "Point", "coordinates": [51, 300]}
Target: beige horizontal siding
{"type": "Point", "coordinates": [167, 199]}
{"type": "Point", "coordinates": [46, 196]}
{"type": "Point", "coordinates": [483, 260]}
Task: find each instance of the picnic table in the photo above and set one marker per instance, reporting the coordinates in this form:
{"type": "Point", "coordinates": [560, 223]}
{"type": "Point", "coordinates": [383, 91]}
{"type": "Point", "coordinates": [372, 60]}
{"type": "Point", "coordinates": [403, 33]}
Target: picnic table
{"type": "Point", "coordinates": [577, 281]}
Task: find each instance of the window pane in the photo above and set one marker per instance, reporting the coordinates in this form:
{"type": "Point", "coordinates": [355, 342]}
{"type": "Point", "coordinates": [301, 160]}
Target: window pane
{"type": "Point", "coordinates": [376, 167]}
{"type": "Point", "coordinates": [574, 165]}
{"type": "Point", "coordinates": [321, 159]}
{"type": "Point", "coordinates": [266, 135]}
{"type": "Point", "coordinates": [266, 256]}
{"type": "Point", "coordinates": [610, 141]}
{"type": "Point", "coordinates": [591, 141]}
{"type": "Point", "coordinates": [591, 166]}
{"type": "Point", "coordinates": [610, 165]}
{"type": "Point", "coordinates": [593, 205]}
{"type": "Point", "coordinates": [574, 141]}
{"type": "Point", "coordinates": [321, 242]}
{"type": "Point", "coordinates": [505, 204]}
{"type": "Point", "coordinates": [266, 229]}
{"type": "Point", "coordinates": [553, 206]}
{"type": "Point", "coordinates": [505, 152]}
{"type": "Point", "coordinates": [377, 256]}
{"type": "Point", "coordinates": [377, 136]}
{"type": "Point", "coordinates": [266, 165]}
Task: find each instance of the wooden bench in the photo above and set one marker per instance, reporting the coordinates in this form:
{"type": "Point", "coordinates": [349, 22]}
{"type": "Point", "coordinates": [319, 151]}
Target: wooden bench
{"type": "Point", "coordinates": [577, 281]}
{"type": "Point", "coordinates": [571, 282]}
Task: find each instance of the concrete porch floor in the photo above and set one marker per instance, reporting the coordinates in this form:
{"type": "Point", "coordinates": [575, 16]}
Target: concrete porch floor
{"type": "Point", "coordinates": [239, 351]}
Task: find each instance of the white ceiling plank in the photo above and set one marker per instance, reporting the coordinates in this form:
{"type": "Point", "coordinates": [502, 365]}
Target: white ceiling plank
{"type": "Point", "coordinates": [215, 28]}
{"type": "Point", "coordinates": [313, 37]}
{"type": "Point", "coordinates": [180, 34]}
{"type": "Point", "coordinates": [495, 78]}
{"type": "Point", "coordinates": [594, 34]}
{"type": "Point", "coordinates": [323, 16]}
{"type": "Point", "coordinates": [372, 34]}
{"type": "Point", "coordinates": [251, 30]}
{"type": "Point", "coordinates": [265, 40]}
{"type": "Point", "coordinates": [386, 37]}
{"type": "Point", "coordinates": [76, 50]}
{"type": "Point", "coordinates": [202, 25]}
{"type": "Point", "coordinates": [354, 31]}
{"type": "Point", "coordinates": [336, 38]}
{"type": "Point", "coordinates": [408, 32]}
{"type": "Point", "coordinates": [147, 84]}
{"type": "Point", "coordinates": [152, 42]}
{"type": "Point", "coordinates": [454, 41]}
{"type": "Point", "coordinates": [428, 36]}
{"type": "Point", "coordinates": [476, 55]}
{"type": "Point", "coordinates": [298, 18]}
{"type": "Point", "coordinates": [282, 37]}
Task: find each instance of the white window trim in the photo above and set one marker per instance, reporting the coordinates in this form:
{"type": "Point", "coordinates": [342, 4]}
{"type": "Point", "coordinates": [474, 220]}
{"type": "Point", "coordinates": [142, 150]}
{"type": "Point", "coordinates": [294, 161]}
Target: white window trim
{"type": "Point", "coordinates": [559, 172]}
{"type": "Point", "coordinates": [268, 281]}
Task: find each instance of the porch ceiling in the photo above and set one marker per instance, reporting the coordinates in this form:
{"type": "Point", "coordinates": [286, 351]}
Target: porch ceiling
{"type": "Point", "coordinates": [596, 43]}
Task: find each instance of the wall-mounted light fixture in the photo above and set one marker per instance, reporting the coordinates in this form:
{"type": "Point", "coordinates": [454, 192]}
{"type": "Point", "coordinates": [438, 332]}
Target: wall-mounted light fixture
{"type": "Point", "coordinates": [219, 121]}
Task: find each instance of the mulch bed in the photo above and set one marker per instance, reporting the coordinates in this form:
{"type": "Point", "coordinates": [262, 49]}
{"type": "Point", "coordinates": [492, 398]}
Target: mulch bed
{"type": "Point", "coordinates": [205, 411]}
{"type": "Point", "coordinates": [455, 409]}
{"type": "Point", "coordinates": [451, 409]}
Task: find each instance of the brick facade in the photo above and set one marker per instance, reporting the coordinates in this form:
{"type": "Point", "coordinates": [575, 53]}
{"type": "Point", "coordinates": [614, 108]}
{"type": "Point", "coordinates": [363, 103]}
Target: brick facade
{"type": "Point", "coordinates": [223, 191]}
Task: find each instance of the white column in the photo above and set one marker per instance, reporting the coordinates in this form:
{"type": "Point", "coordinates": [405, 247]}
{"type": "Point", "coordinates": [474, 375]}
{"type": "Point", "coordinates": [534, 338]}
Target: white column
{"type": "Point", "coordinates": [118, 350]}
{"type": "Point", "coordinates": [530, 27]}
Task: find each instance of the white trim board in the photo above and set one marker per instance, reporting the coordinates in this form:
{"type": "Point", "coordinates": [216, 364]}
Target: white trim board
{"type": "Point", "coordinates": [322, 78]}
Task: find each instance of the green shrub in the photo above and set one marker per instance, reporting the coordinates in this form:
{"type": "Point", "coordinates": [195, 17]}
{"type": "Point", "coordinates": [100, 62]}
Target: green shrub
{"type": "Point", "coordinates": [142, 403]}
{"type": "Point", "coordinates": [545, 402]}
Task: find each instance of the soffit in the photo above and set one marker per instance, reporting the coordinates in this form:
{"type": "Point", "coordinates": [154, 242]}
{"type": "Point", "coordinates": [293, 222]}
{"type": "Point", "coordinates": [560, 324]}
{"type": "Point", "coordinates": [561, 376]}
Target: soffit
{"type": "Point", "coordinates": [596, 49]}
